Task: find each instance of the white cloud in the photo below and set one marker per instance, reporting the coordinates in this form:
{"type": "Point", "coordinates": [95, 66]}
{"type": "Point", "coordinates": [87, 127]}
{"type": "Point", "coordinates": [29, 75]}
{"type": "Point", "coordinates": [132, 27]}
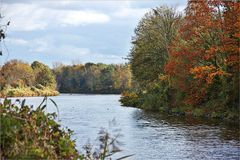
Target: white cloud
{"type": "Point", "coordinates": [131, 12]}
{"type": "Point", "coordinates": [39, 45]}
{"type": "Point", "coordinates": [95, 43]}
{"type": "Point", "coordinates": [181, 8]}
{"type": "Point", "coordinates": [47, 45]}
{"type": "Point", "coordinates": [66, 50]}
{"type": "Point", "coordinates": [104, 58]}
{"type": "Point", "coordinates": [29, 17]}
{"type": "Point", "coordinates": [25, 17]}
{"type": "Point", "coordinates": [17, 41]}
{"type": "Point", "coordinates": [81, 17]}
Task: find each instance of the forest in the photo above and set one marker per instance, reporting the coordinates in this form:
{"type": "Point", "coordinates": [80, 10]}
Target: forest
{"type": "Point", "coordinates": [187, 63]}
{"type": "Point", "coordinates": [93, 78]}
{"type": "Point", "coordinates": [21, 79]}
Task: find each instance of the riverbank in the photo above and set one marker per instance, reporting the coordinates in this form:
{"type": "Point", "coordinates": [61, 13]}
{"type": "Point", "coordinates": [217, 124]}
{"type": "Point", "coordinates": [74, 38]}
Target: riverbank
{"type": "Point", "coordinates": [28, 92]}
{"type": "Point", "coordinates": [208, 111]}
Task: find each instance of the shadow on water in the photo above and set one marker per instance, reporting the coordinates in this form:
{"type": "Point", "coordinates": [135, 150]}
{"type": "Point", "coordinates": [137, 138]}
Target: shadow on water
{"type": "Point", "coordinates": [194, 126]}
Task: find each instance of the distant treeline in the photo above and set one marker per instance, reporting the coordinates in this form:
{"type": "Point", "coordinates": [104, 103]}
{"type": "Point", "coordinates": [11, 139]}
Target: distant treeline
{"type": "Point", "coordinates": [93, 78]}
{"type": "Point", "coordinates": [18, 78]}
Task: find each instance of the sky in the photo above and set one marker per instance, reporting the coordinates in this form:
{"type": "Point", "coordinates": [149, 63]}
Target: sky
{"type": "Point", "coordinates": [70, 31]}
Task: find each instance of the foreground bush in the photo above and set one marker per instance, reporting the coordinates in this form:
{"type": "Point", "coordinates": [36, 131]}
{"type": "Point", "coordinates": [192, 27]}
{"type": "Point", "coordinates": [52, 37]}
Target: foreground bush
{"type": "Point", "coordinates": [33, 134]}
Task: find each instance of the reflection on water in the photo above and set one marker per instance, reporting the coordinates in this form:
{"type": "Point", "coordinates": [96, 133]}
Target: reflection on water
{"type": "Point", "coordinates": [189, 138]}
{"type": "Point", "coordinates": [226, 130]}
{"type": "Point", "coordinates": [147, 135]}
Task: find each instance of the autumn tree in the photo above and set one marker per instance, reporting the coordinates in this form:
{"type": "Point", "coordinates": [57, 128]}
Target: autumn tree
{"type": "Point", "coordinates": [204, 57]}
{"type": "Point", "coordinates": [16, 73]}
{"type": "Point", "coordinates": [122, 77]}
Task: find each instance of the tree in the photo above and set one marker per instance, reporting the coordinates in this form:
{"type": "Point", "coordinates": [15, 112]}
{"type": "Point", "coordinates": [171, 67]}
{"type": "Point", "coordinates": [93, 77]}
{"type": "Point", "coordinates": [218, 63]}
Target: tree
{"type": "Point", "coordinates": [153, 36]}
{"type": "Point", "coordinates": [122, 77]}
{"type": "Point", "coordinates": [43, 74]}
{"type": "Point", "coordinates": [93, 78]}
{"type": "Point", "coordinates": [16, 73]}
{"type": "Point", "coordinates": [203, 58]}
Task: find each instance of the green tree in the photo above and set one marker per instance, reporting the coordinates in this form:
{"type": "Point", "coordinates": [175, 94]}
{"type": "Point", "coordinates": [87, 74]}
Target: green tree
{"type": "Point", "coordinates": [43, 74]}
{"type": "Point", "coordinates": [93, 78]}
{"type": "Point", "coordinates": [149, 55]}
{"type": "Point", "coordinates": [153, 36]}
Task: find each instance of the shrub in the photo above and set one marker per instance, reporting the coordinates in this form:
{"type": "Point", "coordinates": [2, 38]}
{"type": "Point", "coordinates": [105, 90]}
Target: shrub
{"type": "Point", "coordinates": [129, 99]}
{"type": "Point", "coordinates": [198, 112]}
{"type": "Point", "coordinates": [28, 133]}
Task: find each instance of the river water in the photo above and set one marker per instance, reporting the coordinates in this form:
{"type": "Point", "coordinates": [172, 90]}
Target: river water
{"type": "Point", "coordinates": [146, 135]}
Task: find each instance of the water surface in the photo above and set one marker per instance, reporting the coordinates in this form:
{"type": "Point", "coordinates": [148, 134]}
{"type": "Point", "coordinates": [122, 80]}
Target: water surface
{"type": "Point", "coordinates": [146, 135]}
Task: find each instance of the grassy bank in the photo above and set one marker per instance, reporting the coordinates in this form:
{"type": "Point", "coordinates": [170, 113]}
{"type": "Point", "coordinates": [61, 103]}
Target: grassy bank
{"type": "Point", "coordinates": [28, 91]}
{"type": "Point", "coordinates": [153, 102]}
